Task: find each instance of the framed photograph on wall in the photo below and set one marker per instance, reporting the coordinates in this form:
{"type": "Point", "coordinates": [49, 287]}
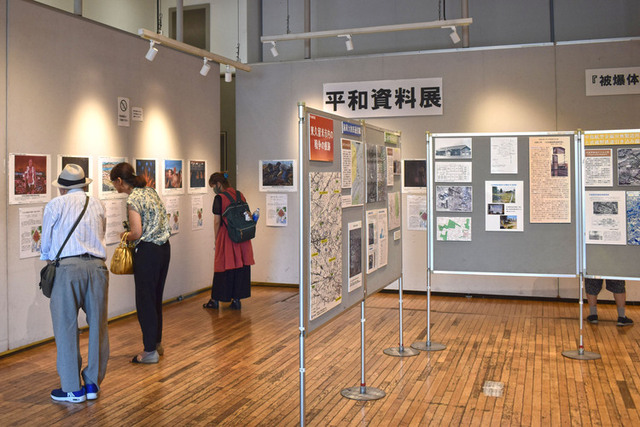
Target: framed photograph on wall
{"type": "Point", "coordinates": [29, 178]}
{"type": "Point", "coordinates": [277, 175]}
{"type": "Point", "coordinates": [106, 190]}
{"type": "Point", "coordinates": [172, 173]}
{"type": "Point", "coordinates": [147, 168]}
{"type": "Point", "coordinates": [414, 176]}
{"type": "Point", "coordinates": [197, 173]}
{"type": "Point", "coordinates": [83, 161]}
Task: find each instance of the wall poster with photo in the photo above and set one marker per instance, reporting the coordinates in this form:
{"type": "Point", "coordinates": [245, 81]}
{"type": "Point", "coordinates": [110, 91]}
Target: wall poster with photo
{"type": "Point", "coordinates": [197, 173]}
{"type": "Point", "coordinates": [83, 161]}
{"type": "Point", "coordinates": [277, 175]}
{"type": "Point", "coordinates": [172, 173]}
{"type": "Point", "coordinates": [29, 178]}
{"type": "Point", "coordinates": [148, 169]}
{"type": "Point", "coordinates": [106, 190]}
{"type": "Point", "coordinates": [414, 176]}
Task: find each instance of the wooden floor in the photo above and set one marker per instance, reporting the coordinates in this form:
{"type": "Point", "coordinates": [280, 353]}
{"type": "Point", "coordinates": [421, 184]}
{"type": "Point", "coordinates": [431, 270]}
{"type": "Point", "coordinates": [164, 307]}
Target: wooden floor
{"type": "Point", "coordinates": [241, 368]}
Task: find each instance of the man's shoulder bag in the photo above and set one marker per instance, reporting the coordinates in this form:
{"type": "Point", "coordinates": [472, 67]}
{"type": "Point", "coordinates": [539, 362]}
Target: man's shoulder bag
{"type": "Point", "coordinates": [48, 272]}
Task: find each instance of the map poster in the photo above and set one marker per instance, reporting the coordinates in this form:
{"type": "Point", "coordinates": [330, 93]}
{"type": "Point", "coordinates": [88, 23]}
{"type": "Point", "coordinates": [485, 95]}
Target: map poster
{"type": "Point", "coordinates": [320, 138]}
{"type": "Point", "coordinates": [550, 179]}
{"type": "Point", "coordinates": [605, 222]}
{"type": "Point", "coordinates": [416, 212]}
{"type": "Point", "coordinates": [633, 217]}
{"type": "Point", "coordinates": [394, 210]}
{"type": "Point", "coordinates": [598, 167]}
{"type": "Point", "coordinates": [30, 231]}
{"type": "Point", "coordinates": [504, 201]}
{"type": "Point", "coordinates": [325, 242]}
{"type": "Point", "coordinates": [454, 229]}
{"type": "Point", "coordinates": [357, 173]}
{"type": "Point", "coordinates": [355, 255]}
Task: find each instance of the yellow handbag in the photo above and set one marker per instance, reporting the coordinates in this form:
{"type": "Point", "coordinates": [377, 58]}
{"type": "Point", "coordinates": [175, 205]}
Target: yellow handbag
{"type": "Point", "coordinates": [122, 260]}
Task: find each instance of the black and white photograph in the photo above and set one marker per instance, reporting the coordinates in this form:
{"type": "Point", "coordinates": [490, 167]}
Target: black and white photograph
{"type": "Point", "coordinates": [453, 148]}
{"type": "Point", "coordinates": [457, 198]}
{"type": "Point", "coordinates": [629, 166]}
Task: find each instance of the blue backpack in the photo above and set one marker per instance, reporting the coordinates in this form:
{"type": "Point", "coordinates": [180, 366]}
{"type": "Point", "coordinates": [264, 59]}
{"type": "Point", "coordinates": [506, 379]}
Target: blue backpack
{"type": "Point", "coordinates": [239, 223]}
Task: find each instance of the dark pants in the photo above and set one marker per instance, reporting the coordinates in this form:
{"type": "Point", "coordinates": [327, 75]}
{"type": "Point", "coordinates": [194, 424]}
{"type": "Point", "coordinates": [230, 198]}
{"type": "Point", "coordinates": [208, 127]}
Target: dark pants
{"type": "Point", "coordinates": [150, 267]}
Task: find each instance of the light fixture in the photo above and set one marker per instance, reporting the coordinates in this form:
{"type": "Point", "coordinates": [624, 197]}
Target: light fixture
{"type": "Point", "coordinates": [368, 30]}
{"type": "Point", "coordinates": [227, 75]}
{"type": "Point", "coordinates": [205, 67]}
{"type": "Point", "coordinates": [152, 52]}
{"type": "Point", "coordinates": [455, 38]}
{"type": "Point", "coordinates": [154, 37]}
{"type": "Point", "coordinates": [348, 42]}
{"type": "Point", "coordinates": [274, 51]}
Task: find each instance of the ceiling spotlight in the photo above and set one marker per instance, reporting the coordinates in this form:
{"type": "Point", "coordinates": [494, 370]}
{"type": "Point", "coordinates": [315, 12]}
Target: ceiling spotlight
{"type": "Point", "coordinates": [227, 75]}
{"type": "Point", "coordinates": [348, 42]}
{"type": "Point", "coordinates": [455, 38]}
{"type": "Point", "coordinates": [152, 52]}
{"type": "Point", "coordinates": [205, 67]}
{"type": "Point", "coordinates": [274, 51]}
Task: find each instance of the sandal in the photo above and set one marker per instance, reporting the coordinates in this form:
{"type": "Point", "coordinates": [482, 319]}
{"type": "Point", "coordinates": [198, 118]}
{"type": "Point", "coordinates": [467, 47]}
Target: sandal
{"type": "Point", "coordinates": [211, 304]}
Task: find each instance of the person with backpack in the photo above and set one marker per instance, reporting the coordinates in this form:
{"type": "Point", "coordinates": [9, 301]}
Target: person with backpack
{"type": "Point", "coordinates": [234, 228]}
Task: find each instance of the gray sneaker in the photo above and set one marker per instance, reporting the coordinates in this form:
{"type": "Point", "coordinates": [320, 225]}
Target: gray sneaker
{"type": "Point", "coordinates": [592, 318]}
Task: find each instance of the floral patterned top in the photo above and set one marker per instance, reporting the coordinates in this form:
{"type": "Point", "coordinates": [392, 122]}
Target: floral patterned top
{"type": "Point", "coordinates": [155, 223]}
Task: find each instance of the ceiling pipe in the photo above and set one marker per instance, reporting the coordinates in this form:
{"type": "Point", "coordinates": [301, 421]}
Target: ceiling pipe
{"type": "Point", "coordinates": [179, 20]}
{"type": "Point", "coordinates": [77, 7]}
{"type": "Point", "coordinates": [307, 28]}
{"type": "Point", "coordinates": [465, 30]}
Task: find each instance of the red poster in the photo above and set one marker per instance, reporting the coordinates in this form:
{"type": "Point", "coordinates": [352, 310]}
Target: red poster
{"type": "Point", "coordinates": [320, 138]}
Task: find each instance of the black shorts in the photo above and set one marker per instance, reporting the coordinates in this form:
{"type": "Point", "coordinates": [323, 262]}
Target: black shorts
{"type": "Point", "coordinates": [594, 286]}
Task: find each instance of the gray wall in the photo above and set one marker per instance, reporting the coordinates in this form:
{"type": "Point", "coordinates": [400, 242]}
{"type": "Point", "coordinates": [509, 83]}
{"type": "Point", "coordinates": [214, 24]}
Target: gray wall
{"type": "Point", "coordinates": [509, 89]}
{"type": "Point", "coordinates": [64, 74]}
{"type": "Point", "coordinates": [495, 23]}
{"type": "Point", "coordinates": [4, 314]}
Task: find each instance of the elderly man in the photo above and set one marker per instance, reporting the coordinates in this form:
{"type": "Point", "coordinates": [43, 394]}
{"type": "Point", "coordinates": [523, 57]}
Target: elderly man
{"type": "Point", "coordinates": [82, 281]}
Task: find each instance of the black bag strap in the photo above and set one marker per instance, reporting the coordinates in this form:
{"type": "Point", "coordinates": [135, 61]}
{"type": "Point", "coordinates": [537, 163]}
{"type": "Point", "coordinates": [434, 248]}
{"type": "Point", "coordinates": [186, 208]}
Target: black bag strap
{"type": "Point", "coordinates": [86, 203]}
{"type": "Point", "coordinates": [228, 196]}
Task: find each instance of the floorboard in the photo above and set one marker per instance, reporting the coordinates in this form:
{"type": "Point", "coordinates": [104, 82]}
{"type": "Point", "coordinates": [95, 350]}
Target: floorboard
{"type": "Point", "coordinates": [230, 368]}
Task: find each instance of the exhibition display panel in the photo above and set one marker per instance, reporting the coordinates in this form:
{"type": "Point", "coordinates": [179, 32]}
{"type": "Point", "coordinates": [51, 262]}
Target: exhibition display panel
{"type": "Point", "coordinates": [504, 204]}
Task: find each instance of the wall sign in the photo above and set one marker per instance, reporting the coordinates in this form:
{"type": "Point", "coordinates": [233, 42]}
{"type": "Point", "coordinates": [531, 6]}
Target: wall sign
{"type": "Point", "coordinates": [321, 141]}
{"type": "Point", "coordinates": [384, 98]}
{"type": "Point", "coordinates": [613, 81]}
